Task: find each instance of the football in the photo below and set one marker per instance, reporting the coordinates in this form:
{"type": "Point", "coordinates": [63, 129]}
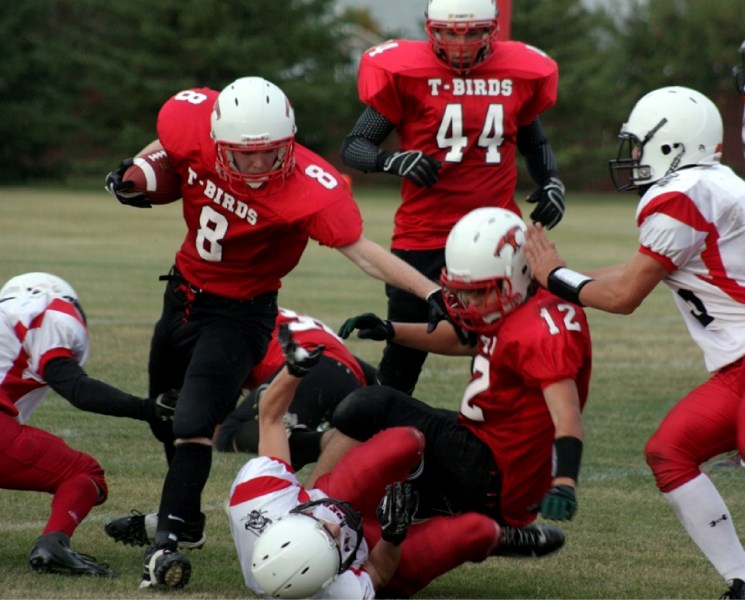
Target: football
{"type": "Point", "coordinates": [153, 175]}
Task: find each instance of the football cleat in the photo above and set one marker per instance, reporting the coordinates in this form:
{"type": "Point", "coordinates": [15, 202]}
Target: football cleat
{"type": "Point", "coordinates": [731, 460]}
{"type": "Point", "coordinates": [165, 568]}
{"type": "Point", "coordinates": [736, 590]}
{"type": "Point", "coordinates": [139, 530]}
{"type": "Point", "coordinates": [531, 541]}
{"type": "Point", "coordinates": [52, 554]}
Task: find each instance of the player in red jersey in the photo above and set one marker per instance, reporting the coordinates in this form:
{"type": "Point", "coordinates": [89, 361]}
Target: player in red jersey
{"type": "Point", "coordinates": [43, 345]}
{"type": "Point", "coordinates": [350, 536]}
{"type": "Point", "coordinates": [691, 219]}
{"type": "Point", "coordinates": [252, 199]}
{"type": "Point", "coordinates": [738, 75]}
{"type": "Point", "coordinates": [531, 373]}
{"type": "Point", "coordinates": [462, 105]}
{"type": "Point", "coordinates": [336, 375]}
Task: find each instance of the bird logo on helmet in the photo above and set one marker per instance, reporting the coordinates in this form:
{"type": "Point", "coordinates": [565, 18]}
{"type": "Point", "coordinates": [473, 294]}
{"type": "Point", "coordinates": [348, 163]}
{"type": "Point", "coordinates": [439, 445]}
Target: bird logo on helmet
{"type": "Point", "coordinates": [486, 275]}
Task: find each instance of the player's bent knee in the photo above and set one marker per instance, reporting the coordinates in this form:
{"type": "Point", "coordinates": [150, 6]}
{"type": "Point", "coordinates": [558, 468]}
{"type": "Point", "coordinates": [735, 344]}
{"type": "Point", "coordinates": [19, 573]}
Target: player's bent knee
{"type": "Point", "coordinates": [192, 427]}
{"type": "Point", "coordinates": [363, 412]}
{"type": "Point", "coordinates": [670, 466]}
{"type": "Point", "coordinates": [92, 471]}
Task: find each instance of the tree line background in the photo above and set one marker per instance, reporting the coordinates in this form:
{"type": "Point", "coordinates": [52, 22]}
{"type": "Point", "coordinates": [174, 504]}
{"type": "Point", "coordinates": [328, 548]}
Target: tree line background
{"type": "Point", "coordinates": [82, 81]}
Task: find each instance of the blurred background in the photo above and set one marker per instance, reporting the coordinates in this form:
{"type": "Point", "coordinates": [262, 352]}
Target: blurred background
{"type": "Point", "coordinates": [81, 81]}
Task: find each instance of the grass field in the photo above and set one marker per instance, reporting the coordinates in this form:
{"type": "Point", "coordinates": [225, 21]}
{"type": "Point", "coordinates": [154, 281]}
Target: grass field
{"type": "Point", "coordinates": [624, 542]}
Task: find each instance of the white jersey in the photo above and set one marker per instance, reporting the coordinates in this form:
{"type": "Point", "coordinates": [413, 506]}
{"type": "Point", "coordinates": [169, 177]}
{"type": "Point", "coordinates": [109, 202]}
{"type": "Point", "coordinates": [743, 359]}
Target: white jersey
{"type": "Point", "coordinates": [34, 330]}
{"type": "Point", "coordinates": [693, 222]}
{"type": "Point", "coordinates": [266, 489]}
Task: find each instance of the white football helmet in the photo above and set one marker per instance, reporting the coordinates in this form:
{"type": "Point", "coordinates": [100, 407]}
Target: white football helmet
{"type": "Point", "coordinates": [253, 115]}
{"type": "Point", "coordinates": [298, 555]}
{"type": "Point", "coordinates": [484, 255]}
{"type": "Point", "coordinates": [668, 129]}
{"type": "Point", "coordinates": [33, 285]}
{"type": "Point", "coordinates": [474, 22]}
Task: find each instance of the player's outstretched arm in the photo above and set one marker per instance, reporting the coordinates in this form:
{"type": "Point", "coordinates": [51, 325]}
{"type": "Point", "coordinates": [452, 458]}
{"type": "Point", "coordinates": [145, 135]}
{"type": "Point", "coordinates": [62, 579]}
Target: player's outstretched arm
{"type": "Point", "coordinates": [277, 398]}
{"type": "Point", "coordinates": [619, 289]}
{"type": "Point", "coordinates": [66, 377]}
{"type": "Point", "coordinates": [443, 340]}
{"type": "Point", "coordinates": [377, 262]}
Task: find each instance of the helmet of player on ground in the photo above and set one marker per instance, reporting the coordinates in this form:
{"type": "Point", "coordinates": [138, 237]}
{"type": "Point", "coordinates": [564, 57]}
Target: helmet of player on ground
{"type": "Point", "coordinates": [668, 129]}
{"type": "Point", "coordinates": [253, 126]}
{"type": "Point", "coordinates": [303, 552]}
{"type": "Point", "coordinates": [461, 31]}
{"type": "Point", "coordinates": [37, 284]}
{"type": "Point", "coordinates": [486, 275]}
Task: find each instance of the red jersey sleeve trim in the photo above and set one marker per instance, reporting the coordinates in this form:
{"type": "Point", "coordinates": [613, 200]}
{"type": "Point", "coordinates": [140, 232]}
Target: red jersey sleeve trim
{"type": "Point", "coordinates": [258, 486]}
{"type": "Point", "coordinates": [669, 265]}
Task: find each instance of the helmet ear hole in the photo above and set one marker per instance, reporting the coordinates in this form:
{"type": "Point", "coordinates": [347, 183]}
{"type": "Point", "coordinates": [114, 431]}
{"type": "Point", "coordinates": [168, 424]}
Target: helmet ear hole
{"type": "Point", "coordinates": [690, 125]}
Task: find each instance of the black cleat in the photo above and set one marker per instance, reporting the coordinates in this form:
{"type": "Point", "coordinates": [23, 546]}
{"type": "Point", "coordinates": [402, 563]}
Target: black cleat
{"type": "Point", "coordinates": [165, 568]}
{"type": "Point", "coordinates": [52, 554]}
{"type": "Point", "coordinates": [531, 541]}
{"type": "Point", "coordinates": [736, 590]}
{"type": "Point", "coordinates": [731, 460]}
{"type": "Point", "coordinates": [139, 530]}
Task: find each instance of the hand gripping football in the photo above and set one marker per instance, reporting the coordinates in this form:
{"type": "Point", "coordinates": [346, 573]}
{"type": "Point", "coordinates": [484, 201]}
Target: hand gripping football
{"type": "Point", "coordinates": [153, 175]}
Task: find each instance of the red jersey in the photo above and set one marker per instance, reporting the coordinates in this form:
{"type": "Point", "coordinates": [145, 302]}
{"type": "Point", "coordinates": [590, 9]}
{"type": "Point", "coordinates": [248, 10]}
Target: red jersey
{"type": "Point", "coordinates": [307, 333]}
{"type": "Point", "coordinates": [241, 242]}
{"type": "Point", "coordinates": [544, 341]}
{"type": "Point", "coordinates": [469, 123]}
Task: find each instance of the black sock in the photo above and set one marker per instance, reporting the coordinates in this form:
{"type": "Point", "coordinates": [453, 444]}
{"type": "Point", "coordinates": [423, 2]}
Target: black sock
{"type": "Point", "coordinates": [182, 490]}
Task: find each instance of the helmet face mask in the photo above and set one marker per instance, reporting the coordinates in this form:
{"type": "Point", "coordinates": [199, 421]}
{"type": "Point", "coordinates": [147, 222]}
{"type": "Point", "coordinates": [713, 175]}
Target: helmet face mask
{"type": "Point", "coordinates": [342, 514]}
{"type": "Point", "coordinates": [253, 116]}
{"type": "Point", "coordinates": [461, 31]}
{"type": "Point", "coordinates": [668, 129]}
{"type": "Point", "coordinates": [486, 276]}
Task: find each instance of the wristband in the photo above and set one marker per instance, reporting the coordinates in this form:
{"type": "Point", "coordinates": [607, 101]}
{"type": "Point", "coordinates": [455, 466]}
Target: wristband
{"type": "Point", "coordinates": [567, 284]}
{"type": "Point", "coordinates": [568, 451]}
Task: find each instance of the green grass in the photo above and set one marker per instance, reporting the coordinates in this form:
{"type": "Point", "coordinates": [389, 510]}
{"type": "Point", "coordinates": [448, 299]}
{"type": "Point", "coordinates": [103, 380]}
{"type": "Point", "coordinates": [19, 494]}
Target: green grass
{"type": "Point", "coordinates": [624, 542]}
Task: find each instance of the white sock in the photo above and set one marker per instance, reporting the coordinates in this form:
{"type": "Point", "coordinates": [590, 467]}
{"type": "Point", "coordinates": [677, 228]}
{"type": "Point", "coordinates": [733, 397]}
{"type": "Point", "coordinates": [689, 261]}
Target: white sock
{"type": "Point", "coordinates": [705, 517]}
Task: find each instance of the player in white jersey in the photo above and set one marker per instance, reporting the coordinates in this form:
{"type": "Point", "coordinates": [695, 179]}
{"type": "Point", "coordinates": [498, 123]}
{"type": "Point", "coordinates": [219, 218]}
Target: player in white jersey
{"type": "Point", "coordinates": [691, 220]}
{"type": "Point", "coordinates": [43, 343]}
{"type": "Point", "coordinates": [350, 536]}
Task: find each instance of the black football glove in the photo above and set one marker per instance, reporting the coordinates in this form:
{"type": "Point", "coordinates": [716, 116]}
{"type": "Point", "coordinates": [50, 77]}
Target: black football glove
{"type": "Point", "coordinates": [396, 510]}
{"type": "Point", "coordinates": [550, 203]}
{"type": "Point", "coordinates": [299, 361]}
{"type": "Point", "coordinates": [118, 188]}
{"type": "Point", "coordinates": [412, 164]}
{"type": "Point", "coordinates": [559, 503]}
{"type": "Point", "coordinates": [370, 327]}
{"type": "Point", "coordinates": [165, 405]}
{"type": "Point", "coordinates": [438, 312]}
